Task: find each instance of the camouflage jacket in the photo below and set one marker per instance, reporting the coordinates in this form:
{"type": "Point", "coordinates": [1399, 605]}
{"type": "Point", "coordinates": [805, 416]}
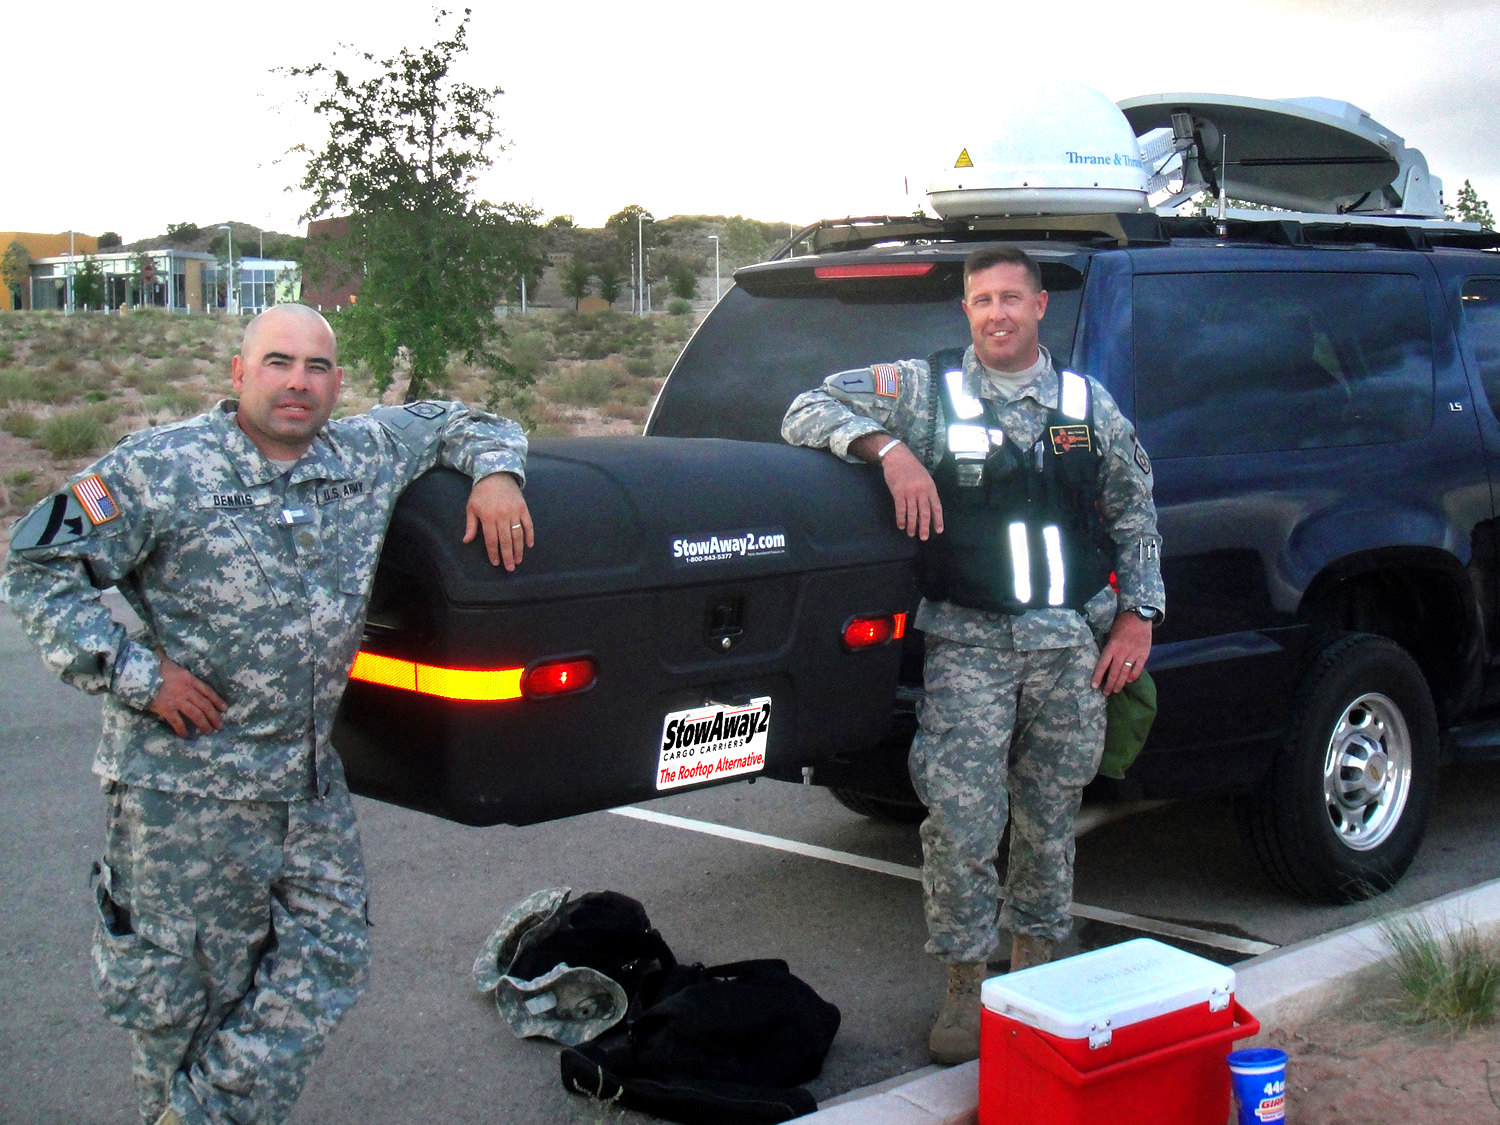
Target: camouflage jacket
{"type": "Point", "coordinates": [901, 399]}
{"type": "Point", "coordinates": [253, 577]}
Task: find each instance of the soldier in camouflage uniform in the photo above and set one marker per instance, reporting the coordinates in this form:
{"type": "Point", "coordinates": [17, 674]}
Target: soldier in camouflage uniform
{"type": "Point", "coordinates": [231, 934]}
{"type": "Point", "coordinates": [1012, 726]}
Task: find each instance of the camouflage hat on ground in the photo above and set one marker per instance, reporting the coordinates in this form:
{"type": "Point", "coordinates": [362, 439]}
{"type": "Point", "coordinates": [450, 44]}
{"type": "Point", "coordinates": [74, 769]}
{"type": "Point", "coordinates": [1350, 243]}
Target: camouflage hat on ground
{"type": "Point", "coordinates": [565, 1004]}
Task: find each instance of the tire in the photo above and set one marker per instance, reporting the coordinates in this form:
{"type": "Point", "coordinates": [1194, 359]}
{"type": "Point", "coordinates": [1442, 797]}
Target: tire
{"type": "Point", "coordinates": [1343, 809]}
{"type": "Point", "coordinates": [879, 808]}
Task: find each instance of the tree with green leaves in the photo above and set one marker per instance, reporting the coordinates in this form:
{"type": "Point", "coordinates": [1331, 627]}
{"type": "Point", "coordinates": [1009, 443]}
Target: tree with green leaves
{"type": "Point", "coordinates": [632, 231]}
{"type": "Point", "coordinates": [610, 278]}
{"type": "Point", "coordinates": [574, 278]}
{"type": "Point", "coordinates": [88, 284]}
{"type": "Point", "coordinates": [1469, 208]}
{"type": "Point", "coordinates": [681, 277]}
{"type": "Point", "coordinates": [15, 272]}
{"type": "Point", "coordinates": [184, 232]}
{"type": "Point", "coordinates": [109, 240]}
{"type": "Point", "coordinates": [406, 144]}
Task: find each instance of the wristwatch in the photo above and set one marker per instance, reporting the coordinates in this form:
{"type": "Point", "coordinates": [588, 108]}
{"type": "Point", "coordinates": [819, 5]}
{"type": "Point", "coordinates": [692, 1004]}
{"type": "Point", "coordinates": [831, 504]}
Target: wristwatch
{"type": "Point", "coordinates": [1147, 613]}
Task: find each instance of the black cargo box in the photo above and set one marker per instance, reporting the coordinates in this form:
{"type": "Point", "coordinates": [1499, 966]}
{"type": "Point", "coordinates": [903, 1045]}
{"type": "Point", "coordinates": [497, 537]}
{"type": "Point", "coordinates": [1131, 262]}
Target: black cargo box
{"type": "Point", "coordinates": [704, 580]}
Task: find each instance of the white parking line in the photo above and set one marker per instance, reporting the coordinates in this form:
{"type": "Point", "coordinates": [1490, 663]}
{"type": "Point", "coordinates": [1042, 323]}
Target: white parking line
{"type": "Point", "coordinates": [904, 871]}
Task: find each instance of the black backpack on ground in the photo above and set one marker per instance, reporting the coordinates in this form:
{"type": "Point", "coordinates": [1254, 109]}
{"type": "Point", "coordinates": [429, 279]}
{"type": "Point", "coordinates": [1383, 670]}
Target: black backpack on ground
{"type": "Point", "coordinates": [711, 1046]}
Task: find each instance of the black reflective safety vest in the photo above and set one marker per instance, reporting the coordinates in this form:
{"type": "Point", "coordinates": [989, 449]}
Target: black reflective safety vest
{"type": "Point", "coordinates": [1021, 527]}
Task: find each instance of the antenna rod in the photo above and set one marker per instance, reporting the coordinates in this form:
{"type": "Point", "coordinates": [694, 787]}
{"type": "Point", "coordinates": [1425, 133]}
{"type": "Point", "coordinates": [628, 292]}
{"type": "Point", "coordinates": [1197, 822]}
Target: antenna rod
{"type": "Point", "coordinates": [1223, 225]}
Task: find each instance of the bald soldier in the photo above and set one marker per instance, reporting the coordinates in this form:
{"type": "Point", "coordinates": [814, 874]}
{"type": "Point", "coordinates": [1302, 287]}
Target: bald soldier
{"type": "Point", "coordinates": [231, 928]}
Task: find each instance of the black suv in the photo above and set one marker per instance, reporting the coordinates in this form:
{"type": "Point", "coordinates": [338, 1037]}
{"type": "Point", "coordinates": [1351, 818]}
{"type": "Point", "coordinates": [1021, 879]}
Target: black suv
{"type": "Point", "coordinates": [1320, 403]}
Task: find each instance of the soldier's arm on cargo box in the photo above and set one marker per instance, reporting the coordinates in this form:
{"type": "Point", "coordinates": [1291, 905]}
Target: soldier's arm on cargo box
{"type": "Point", "coordinates": [850, 404]}
{"type": "Point", "coordinates": [489, 449]}
{"type": "Point", "coordinates": [867, 414]}
{"type": "Point", "coordinates": [73, 545]}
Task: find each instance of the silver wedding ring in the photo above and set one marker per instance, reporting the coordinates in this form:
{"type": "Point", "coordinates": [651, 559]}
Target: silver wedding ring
{"type": "Point", "coordinates": [1128, 664]}
{"type": "Point", "coordinates": [515, 527]}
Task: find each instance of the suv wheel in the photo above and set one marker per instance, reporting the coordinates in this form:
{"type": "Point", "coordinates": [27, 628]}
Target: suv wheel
{"type": "Point", "coordinates": [880, 808]}
{"type": "Point", "coordinates": [1341, 814]}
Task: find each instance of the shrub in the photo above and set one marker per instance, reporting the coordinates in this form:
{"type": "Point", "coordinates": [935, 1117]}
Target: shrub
{"type": "Point", "coordinates": [75, 434]}
{"type": "Point", "coordinates": [21, 424]}
{"type": "Point", "coordinates": [589, 385]}
{"type": "Point", "coordinates": [680, 306]}
{"type": "Point", "coordinates": [1450, 977]}
{"type": "Point", "coordinates": [16, 386]}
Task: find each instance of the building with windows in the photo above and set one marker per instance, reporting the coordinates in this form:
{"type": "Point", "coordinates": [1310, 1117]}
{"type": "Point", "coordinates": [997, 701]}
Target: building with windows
{"type": "Point", "coordinates": [180, 280]}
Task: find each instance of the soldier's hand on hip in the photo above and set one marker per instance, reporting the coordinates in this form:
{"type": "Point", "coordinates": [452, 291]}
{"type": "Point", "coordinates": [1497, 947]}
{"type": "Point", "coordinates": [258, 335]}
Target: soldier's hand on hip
{"type": "Point", "coordinates": [185, 703]}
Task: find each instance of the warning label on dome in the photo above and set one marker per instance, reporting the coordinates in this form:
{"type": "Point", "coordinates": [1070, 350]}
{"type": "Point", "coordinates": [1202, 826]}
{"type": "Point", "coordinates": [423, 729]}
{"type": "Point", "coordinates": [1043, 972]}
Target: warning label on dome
{"type": "Point", "coordinates": [712, 742]}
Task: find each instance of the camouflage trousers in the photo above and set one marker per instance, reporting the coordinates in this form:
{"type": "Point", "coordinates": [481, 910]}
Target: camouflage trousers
{"type": "Point", "coordinates": [1004, 735]}
{"type": "Point", "coordinates": [231, 938]}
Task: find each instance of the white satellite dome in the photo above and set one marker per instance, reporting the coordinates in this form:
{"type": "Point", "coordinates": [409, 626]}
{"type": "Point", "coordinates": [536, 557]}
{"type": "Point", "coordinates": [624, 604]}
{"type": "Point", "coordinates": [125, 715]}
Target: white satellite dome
{"type": "Point", "coordinates": [1063, 148]}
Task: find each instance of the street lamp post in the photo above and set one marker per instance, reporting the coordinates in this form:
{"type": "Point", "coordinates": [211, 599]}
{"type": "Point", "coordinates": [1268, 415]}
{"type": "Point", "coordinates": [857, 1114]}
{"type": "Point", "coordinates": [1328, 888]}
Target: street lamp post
{"type": "Point", "coordinates": [716, 267]}
{"type": "Point", "coordinates": [231, 286]}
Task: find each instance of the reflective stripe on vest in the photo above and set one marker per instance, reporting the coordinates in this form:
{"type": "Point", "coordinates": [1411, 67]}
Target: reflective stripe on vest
{"type": "Point", "coordinates": [1020, 561]}
{"type": "Point", "coordinates": [1073, 400]}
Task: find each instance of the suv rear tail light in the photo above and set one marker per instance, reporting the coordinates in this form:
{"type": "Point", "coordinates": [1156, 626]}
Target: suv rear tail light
{"type": "Point", "coordinates": [870, 632]}
{"type": "Point", "coordinates": [873, 270]}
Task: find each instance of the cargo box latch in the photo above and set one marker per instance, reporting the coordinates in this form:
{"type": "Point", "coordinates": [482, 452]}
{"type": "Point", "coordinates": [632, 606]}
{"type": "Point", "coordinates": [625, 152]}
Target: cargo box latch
{"type": "Point", "coordinates": [725, 628]}
{"type": "Point", "coordinates": [1219, 998]}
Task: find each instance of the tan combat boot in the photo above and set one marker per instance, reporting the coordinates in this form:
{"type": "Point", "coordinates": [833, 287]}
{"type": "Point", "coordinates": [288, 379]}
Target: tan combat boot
{"type": "Point", "coordinates": [1026, 951]}
{"type": "Point", "coordinates": [955, 1036]}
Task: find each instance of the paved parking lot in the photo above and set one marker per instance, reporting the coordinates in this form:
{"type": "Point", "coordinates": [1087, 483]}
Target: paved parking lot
{"type": "Point", "coordinates": [741, 871]}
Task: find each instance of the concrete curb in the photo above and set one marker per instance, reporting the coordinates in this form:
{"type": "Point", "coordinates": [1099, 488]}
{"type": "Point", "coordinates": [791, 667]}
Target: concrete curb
{"type": "Point", "coordinates": [1278, 988]}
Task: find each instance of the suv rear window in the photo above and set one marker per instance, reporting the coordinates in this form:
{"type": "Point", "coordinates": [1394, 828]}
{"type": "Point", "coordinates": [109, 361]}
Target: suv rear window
{"type": "Point", "coordinates": [1254, 362]}
{"type": "Point", "coordinates": [786, 343]}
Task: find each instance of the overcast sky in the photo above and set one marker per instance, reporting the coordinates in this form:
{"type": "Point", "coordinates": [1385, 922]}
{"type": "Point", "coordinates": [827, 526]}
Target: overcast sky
{"type": "Point", "coordinates": [128, 117]}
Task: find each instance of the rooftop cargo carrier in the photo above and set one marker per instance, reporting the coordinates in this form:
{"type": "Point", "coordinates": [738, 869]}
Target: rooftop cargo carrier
{"type": "Point", "coordinates": [693, 611]}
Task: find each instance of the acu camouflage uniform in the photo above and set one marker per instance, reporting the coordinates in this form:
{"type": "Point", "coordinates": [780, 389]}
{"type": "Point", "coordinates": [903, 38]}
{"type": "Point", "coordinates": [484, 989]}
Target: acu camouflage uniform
{"type": "Point", "coordinates": [232, 922]}
{"type": "Point", "coordinates": [1011, 727]}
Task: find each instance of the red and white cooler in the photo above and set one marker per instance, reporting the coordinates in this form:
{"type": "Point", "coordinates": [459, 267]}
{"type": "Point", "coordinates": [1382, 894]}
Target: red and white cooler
{"type": "Point", "coordinates": [1131, 1034]}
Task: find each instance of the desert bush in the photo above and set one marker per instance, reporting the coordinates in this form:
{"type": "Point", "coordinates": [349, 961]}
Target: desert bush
{"type": "Point", "coordinates": [16, 386]}
{"type": "Point", "coordinates": [176, 368]}
{"type": "Point", "coordinates": [77, 433]}
{"type": "Point", "coordinates": [1449, 976]}
{"type": "Point", "coordinates": [589, 385]}
{"type": "Point", "coordinates": [21, 424]}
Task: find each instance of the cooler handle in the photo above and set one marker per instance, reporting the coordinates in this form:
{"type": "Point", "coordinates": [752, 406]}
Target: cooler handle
{"type": "Point", "coordinates": [1245, 1025]}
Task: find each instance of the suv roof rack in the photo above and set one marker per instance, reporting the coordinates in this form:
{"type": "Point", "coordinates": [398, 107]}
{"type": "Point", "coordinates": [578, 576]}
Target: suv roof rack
{"type": "Point", "coordinates": [1266, 228]}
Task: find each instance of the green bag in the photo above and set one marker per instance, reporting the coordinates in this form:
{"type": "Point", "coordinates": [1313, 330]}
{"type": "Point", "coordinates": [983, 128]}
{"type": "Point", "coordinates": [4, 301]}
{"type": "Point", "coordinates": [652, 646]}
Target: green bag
{"type": "Point", "coordinates": [1129, 713]}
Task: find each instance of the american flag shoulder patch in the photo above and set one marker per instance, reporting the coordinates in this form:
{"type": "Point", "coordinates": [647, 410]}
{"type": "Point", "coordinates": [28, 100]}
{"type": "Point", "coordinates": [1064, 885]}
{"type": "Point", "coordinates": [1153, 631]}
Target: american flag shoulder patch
{"type": "Point", "coordinates": [887, 380]}
{"type": "Point", "coordinates": [96, 500]}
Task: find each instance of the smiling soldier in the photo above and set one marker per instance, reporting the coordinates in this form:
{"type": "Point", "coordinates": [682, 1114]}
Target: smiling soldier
{"type": "Point", "coordinates": [231, 934]}
{"type": "Point", "coordinates": [1028, 489]}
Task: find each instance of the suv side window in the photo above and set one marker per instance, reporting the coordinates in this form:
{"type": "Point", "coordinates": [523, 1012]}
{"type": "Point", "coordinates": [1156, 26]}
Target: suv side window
{"type": "Point", "coordinates": [1480, 328]}
{"type": "Point", "coordinates": [1255, 362]}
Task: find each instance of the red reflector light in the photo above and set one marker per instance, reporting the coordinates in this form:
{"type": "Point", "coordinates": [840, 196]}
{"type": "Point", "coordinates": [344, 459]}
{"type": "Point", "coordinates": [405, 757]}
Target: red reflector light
{"type": "Point", "coordinates": [868, 632]}
{"type": "Point", "coordinates": [873, 270]}
{"type": "Point", "coordinates": [559, 677]}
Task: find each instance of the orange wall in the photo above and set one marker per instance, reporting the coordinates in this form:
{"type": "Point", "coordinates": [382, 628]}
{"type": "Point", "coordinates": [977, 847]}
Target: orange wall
{"type": "Point", "coordinates": [49, 245]}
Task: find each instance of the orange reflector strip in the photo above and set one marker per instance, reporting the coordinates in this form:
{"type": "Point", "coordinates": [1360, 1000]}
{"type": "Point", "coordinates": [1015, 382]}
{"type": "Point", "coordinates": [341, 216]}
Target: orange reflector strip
{"type": "Point", "coordinates": [482, 685]}
{"type": "Point", "coordinates": [873, 270]}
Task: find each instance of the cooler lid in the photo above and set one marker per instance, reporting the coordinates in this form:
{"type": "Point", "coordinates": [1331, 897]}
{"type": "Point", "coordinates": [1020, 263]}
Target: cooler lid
{"type": "Point", "coordinates": [1113, 987]}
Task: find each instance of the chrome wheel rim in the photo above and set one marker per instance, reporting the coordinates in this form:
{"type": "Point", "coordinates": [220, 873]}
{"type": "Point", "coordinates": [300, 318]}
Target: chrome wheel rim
{"type": "Point", "coordinates": [1367, 771]}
